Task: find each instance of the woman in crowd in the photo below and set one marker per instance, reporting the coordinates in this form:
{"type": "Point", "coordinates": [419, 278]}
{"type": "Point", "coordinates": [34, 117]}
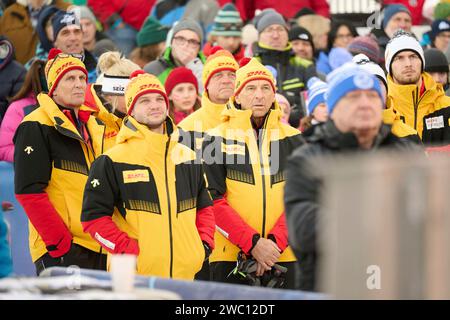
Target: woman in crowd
{"type": "Point", "coordinates": [182, 90]}
{"type": "Point", "coordinates": [21, 104]}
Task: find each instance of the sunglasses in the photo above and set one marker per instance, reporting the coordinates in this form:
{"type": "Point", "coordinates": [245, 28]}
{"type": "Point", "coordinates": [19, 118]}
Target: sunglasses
{"type": "Point", "coordinates": [66, 55]}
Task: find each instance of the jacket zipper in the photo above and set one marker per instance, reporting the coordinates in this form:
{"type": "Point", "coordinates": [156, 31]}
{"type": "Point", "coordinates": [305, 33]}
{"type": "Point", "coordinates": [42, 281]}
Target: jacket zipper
{"type": "Point", "coordinates": [262, 173]}
{"type": "Point", "coordinates": [88, 149]}
{"type": "Point", "coordinates": [168, 204]}
{"type": "Point", "coordinates": [416, 105]}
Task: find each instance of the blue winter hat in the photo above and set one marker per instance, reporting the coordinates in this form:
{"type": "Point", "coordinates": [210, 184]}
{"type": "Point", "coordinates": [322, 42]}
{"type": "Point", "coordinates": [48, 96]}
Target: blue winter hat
{"type": "Point", "coordinates": [228, 22]}
{"type": "Point", "coordinates": [350, 77]}
{"type": "Point", "coordinates": [273, 71]}
{"type": "Point", "coordinates": [438, 26]}
{"type": "Point", "coordinates": [316, 93]}
{"type": "Point", "coordinates": [63, 19]}
{"type": "Point", "coordinates": [44, 15]}
{"type": "Point", "coordinates": [392, 10]}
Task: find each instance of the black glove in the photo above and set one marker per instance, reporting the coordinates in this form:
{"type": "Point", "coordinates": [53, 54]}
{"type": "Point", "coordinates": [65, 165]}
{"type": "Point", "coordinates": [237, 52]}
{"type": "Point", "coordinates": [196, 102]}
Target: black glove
{"type": "Point", "coordinates": [207, 250]}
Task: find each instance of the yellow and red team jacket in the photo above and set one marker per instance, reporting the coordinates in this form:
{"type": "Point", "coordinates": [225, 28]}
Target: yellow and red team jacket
{"type": "Point", "coordinates": [425, 109]}
{"type": "Point", "coordinates": [147, 196]}
{"type": "Point", "coordinates": [399, 128]}
{"type": "Point", "coordinates": [196, 125]}
{"type": "Point", "coordinates": [51, 162]}
{"type": "Point", "coordinates": [111, 121]}
{"type": "Point", "coordinates": [245, 174]}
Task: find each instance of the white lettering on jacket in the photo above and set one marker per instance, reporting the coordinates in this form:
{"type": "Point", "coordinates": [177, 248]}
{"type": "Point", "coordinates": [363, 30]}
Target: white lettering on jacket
{"type": "Point", "coordinates": [435, 122]}
{"type": "Point", "coordinates": [105, 242]}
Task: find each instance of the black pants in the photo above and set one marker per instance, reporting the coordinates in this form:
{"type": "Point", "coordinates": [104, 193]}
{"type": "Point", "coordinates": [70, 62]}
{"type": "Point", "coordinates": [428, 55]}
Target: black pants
{"type": "Point", "coordinates": [220, 272]}
{"type": "Point", "coordinates": [204, 273]}
{"type": "Point", "coordinates": [76, 256]}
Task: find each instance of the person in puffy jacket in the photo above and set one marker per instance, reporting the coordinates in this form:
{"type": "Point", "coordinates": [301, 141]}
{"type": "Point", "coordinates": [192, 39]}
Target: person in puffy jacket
{"type": "Point", "coordinates": [355, 104]}
{"type": "Point", "coordinates": [12, 75]}
{"type": "Point", "coordinates": [22, 104]}
{"type": "Point", "coordinates": [131, 202]}
{"type": "Point", "coordinates": [244, 158]}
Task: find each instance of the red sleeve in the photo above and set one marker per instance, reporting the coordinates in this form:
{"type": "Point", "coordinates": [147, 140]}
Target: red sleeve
{"type": "Point", "coordinates": [231, 225]}
{"type": "Point", "coordinates": [280, 232]}
{"type": "Point", "coordinates": [321, 7]}
{"type": "Point", "coordinates": [440, 149]}
{"type": "Point", "coordinates": [110, 237]}
{"type": "Point", "coordinates": [47, 222]}
{"type": "Point", "coordinates": [102, 9]}
{"type": "Point", "coordinates": [206, 225]}
{"type": "Point", "coordinates": [246, 8]}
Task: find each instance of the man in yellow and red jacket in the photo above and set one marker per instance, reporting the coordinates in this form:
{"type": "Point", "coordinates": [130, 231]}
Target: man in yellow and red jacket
{"type": "Point", "coordinates": [147, 195]}
{"type": "Point", "coordinates": [413, 94]}
{"type": "Point", "coordinates": [54, 148]}
{"type": "Point", "coordinates": [244, 160]}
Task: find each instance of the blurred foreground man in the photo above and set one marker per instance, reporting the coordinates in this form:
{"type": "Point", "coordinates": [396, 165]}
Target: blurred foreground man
{"type": "Point", "coordinates": [355, 104]}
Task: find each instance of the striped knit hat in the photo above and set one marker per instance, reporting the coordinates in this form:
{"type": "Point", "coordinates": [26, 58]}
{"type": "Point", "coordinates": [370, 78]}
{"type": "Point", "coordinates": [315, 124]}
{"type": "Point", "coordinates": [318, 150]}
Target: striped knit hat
{"type": "Point", "coordinates": [316, 93]}
{"type": "Point", "coordinates": [228, 22]}
{"type": "Point", "coordinates": [347, 78]}
{"type": "Point", "coordinates": [366, 45]}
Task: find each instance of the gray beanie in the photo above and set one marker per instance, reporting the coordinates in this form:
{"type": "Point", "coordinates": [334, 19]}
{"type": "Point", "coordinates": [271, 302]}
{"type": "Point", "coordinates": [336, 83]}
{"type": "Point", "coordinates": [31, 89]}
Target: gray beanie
{"type": "Point", "coordinates": [189, 24]}
{"type": "Point", "coordinates": [267, 18]}
{"type": "Point", "coordinates": [83, 12]}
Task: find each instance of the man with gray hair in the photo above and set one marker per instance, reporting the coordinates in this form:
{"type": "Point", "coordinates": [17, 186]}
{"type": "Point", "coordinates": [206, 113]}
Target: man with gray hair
{"type": "Point", "coordinates": [273, 48]}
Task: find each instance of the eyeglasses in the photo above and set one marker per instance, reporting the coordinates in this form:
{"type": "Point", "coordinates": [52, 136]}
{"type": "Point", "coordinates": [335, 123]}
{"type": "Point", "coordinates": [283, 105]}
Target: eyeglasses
{"type": "Point", "coordinates": [274, 30]}
{"type": "Point", "coordinates": [342, 36]}
{"type": "Point", "coordinates": [65, 55]}
{"type": "Point", "coordinates": [182, 41]}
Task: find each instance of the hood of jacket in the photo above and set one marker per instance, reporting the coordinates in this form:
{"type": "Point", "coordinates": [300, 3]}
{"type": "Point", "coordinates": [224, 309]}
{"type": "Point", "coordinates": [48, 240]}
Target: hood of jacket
{"type": "Point", "coordinates": [133, 130]}
{"type": "Point", "coordinates": [328, 135]}
{"type": "Point", "coordinates": [241, 119]}
{"type": "Point", "coordinates": [44, 15]}
{"type": "Point", "coordinates": [6, 51]}
{"type": "Point", "coordinates": [272, 56]}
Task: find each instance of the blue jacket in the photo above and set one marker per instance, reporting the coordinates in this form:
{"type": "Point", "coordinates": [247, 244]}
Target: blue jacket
{"type": "Point", "coordinates": [167, 12]}
{"type": "Point", "coordinates": [5, 252]}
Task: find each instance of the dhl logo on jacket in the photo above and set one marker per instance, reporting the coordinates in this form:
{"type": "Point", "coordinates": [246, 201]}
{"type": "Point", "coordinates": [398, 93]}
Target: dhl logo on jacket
{"type": "Point", "coordinates": [159, 213]}
{"type": "Point", "coordinates": [69, 159]}
{"type": "Point", "coordinates": [249, 173]}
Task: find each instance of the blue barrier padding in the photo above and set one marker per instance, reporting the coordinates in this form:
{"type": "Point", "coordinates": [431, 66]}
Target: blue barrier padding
{"type": "Point", "coordinates": [199, 290]}
{"type": "Point", "coordinates": [17, 222]}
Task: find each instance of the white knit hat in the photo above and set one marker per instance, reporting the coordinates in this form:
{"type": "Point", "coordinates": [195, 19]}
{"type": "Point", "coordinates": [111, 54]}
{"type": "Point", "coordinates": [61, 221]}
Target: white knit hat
{"type": "Point", "coordinates": [370, 66]}
{"type": "Point", "coordinates": [402, 41]}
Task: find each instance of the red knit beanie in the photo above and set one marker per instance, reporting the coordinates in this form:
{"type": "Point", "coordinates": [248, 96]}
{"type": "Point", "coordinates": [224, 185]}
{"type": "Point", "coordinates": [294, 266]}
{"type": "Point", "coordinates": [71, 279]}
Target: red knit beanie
{"type": "Point", "coordinates": [180, 75]}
